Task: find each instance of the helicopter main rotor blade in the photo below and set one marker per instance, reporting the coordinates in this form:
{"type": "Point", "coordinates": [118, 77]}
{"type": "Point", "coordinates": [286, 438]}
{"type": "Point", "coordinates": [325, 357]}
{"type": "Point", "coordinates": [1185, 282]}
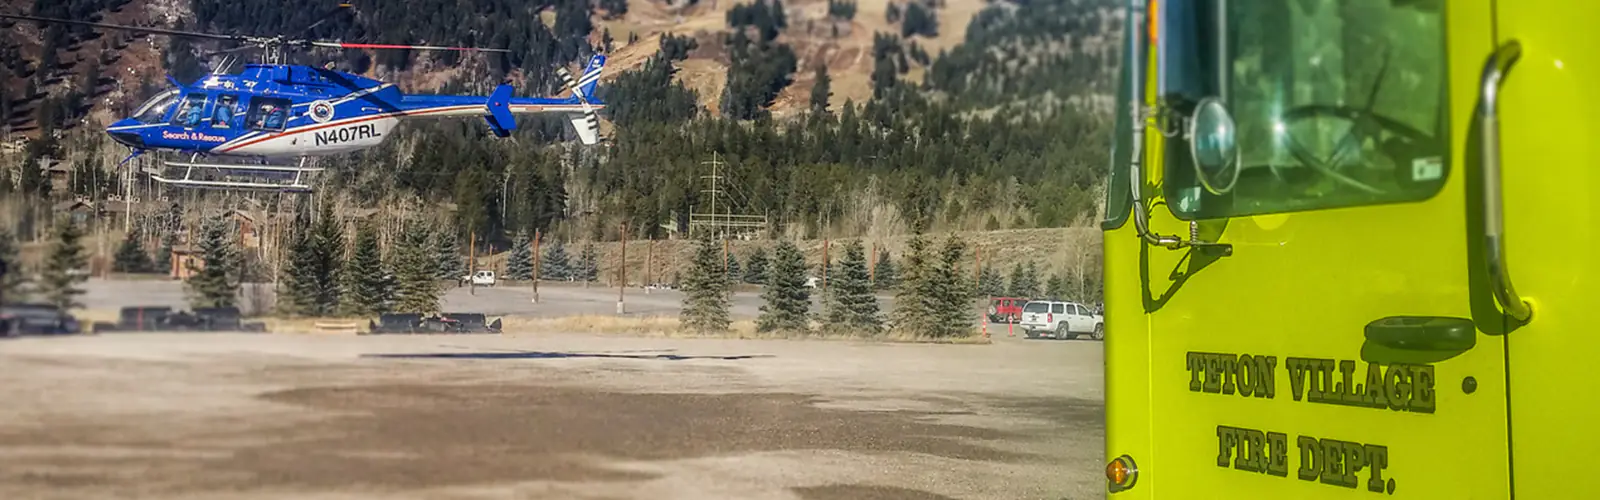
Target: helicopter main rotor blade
{"type": "Point", "coordinates": [342, 8]}
{"type": "Point", "coordinates": [159, 31]}
{"type": "Point", "coordinates": [345, 45]}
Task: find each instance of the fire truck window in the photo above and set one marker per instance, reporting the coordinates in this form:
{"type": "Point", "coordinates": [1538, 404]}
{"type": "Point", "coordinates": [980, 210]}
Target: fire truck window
{"type": "Point", "coordinates": [1119, 197]}
{"type": "Point", "coordinates": [1337, 103]}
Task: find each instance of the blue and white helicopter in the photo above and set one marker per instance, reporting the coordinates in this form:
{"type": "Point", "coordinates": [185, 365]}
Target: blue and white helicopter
{"type": "Point", "coordinates": [263, 123]}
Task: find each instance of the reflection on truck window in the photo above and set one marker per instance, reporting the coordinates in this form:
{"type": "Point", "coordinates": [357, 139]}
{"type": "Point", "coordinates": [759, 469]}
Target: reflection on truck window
{"type": "Point", "coordinates": [1036, 307]}
{"type": "Point", "coordinates": [1337, 103]}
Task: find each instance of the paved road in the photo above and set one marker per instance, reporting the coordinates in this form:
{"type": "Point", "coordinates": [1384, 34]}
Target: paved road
{"type": "Point", "coordinates": [564, 416]}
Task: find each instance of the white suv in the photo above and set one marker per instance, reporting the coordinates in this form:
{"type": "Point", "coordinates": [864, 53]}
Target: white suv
{"type": "Point", "coordinates": [1061, 320]}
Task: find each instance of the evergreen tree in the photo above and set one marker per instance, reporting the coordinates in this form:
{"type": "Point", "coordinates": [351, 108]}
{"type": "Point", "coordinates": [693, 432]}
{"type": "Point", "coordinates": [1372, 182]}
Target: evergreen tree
{"type": "Point", "coordinates": [297, 286]}
{"type": "Point", "coordinates": [734, 273]}
{"type": "Point", "coordinates": [1031, 274]}
{"type": "Point", "coordinates": [1024, 280]}
{"type": "Point", "coordinates": [915, 298]}
{"type": "Point", "coordinates": [854, 307]}
{"type": "Point", "coordinates": [589, 264]}
{"type": "Point", "coordinates": [65, 270]}
{"type": "Point", "coordinates": [953, 292]}
{"type": "Point", "coordinates": [131, 257]}
{"type": "Point", "coordinates": [883, 272]}
{"type": "Point", "coordinates": [415, 260]}
{"type": "Point", "coordinates": [755, 269]}
{"type": "Point", "coordinates": [821, 91]}
{"type": "Point", "coordinates": [161, 262]}
{"type": "Point", "coordinates": [990, 283]}
{"type": "Point", "coordinates": [788, 300]}
{"type": "Point", "coordinates": [311, 283]}
{"type": "Point", "coordinates": [14, 284]}
{"type": "Point", "coordinates": [519, 264]}
{"type": "Point", "coordinates": [448, 262]}
{"type": "Point", "coordinates": [1056, 288]}
{"type": "Point", "coordinates": [215, 281]}
{"type": "Point", "coordinates": [368, 285]}
{"type": "Point", "coordinates": [705, 300]}
{"type": "Point", "coordinates": [555, 264]}
{"type": "Point", "coordinates": [328, 246]}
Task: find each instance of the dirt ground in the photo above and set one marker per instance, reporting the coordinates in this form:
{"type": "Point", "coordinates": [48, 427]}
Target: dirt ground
{"type": "Point", "coordinates": [563, 416]}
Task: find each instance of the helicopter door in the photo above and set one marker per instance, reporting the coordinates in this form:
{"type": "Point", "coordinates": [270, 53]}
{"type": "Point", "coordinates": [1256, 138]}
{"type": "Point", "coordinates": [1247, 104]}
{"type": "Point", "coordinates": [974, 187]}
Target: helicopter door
{"type": "Point", "coordinates": [225, 113]}
{"type": "Point", "coordinates": [191, 111]}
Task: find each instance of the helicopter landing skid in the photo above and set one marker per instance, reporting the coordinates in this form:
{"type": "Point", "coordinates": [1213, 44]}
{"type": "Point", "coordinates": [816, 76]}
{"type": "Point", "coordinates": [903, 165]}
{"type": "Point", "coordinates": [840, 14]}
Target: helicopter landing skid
{"type": "Point", "coordinates": [246, 177]}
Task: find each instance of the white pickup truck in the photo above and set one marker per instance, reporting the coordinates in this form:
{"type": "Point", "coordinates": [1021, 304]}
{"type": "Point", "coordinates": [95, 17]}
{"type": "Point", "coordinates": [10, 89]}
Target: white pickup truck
{"type": "Point", "coordinates": [1061, 320]}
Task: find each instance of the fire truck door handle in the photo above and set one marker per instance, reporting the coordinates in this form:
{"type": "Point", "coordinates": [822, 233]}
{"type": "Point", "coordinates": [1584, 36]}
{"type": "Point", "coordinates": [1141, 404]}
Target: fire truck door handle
{"type": "Point", "coordinates": [1423, 333]}
{"type": "Point", "coordinates": [1494, 72]}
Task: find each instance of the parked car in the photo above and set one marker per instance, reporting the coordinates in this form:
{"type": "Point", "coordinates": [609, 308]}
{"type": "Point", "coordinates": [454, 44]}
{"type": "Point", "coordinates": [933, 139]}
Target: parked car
{"type": "Point", "coordinates": [1006, 309]}
{"type": "Point", "coordinates": [1061, 320]}
{"type": "Point", "coordinates": [36, 319]}
{"type": "Point", "coordinates": [480, 278]}
{"type": "Point", "coordinates": [444, 323]}
{"type": "Point", "coordinates": [163, 318]}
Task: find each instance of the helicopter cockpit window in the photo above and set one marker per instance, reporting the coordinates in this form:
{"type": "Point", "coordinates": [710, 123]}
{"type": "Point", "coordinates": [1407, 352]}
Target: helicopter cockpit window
{"type": "Point", "coordinates": [155, 109]}
{"type": "Point", "coordinates": [1337, 103]}
{"type": "Point", "coordinates": [222, 113]}
{"type": "Point", "coordinates": [189, 110]}
{"type": "Point", "coordinates": [268, 113]}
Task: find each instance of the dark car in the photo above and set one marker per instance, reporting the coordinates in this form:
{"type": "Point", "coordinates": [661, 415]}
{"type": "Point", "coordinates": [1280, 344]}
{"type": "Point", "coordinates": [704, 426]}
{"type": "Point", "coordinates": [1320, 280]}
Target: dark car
{"type": "Point", "coordinates": [36, 319]}
{"type": "Point", "coordinates": [162, 318]}
{"type": "Point", "coordinates": [397, 323]}
{"type": "Point", "coordinates": [472, 323]}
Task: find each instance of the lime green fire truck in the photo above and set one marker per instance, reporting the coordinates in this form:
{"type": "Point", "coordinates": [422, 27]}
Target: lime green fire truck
{"type": "Point", "coordinates": [1349, 250]}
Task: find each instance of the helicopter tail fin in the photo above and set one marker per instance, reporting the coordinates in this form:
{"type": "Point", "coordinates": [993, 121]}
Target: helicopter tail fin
{"type": "Point", "coordinates": [500, 120]}
{"type": "Point", "coordinates": [587, 125]}
{"type": "Point", "coordinates": [591, 76]}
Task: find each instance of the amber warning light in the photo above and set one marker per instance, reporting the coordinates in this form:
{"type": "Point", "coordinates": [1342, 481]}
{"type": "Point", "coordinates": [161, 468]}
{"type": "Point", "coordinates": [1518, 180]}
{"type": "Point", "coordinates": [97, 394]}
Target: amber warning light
{"type": "Point", "coordinates": [1121, 474]}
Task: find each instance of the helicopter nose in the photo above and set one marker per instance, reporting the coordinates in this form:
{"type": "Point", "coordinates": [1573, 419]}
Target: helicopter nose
{"type": "Point", "coordinates": [128, 139]}
{"type": "Point", "coordinates": [119, 132]}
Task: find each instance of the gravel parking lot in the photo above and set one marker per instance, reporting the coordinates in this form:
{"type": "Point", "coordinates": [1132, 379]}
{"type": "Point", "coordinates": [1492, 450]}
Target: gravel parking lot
{"type": "Point", "coordinates": [283, 415]}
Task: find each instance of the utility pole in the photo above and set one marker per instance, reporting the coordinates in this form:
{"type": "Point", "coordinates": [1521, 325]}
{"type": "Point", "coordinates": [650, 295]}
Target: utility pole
{"type": "Point", "coordinates": [977, 266]}
{"type": "Point", "coordinates": [536, 236]}
{"type": "Point", "coordinates": [472, 261]}
{"type": "Point", "coordinates": [825, 265]}
{"type": "Point", "coordinates": [872, 265]}
{"type": "Point", "coordinates": [622, 269]}
{"type": "Point", "coordinates": [649, 262]}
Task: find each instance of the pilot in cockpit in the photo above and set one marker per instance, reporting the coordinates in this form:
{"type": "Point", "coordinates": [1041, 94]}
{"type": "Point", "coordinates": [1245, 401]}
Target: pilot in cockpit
{"type": "Point", "coordinates": [190, 113]}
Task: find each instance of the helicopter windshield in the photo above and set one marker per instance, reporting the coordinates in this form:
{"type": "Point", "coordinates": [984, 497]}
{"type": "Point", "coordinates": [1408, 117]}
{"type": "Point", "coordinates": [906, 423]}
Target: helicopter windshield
{"type": "Point", "coordinates": [155, 109]}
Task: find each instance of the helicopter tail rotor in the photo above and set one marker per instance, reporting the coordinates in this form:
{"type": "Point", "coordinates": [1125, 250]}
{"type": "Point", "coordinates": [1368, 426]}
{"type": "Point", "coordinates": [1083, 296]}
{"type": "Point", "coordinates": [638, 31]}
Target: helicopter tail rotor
{"type": "Point", "coordinates": [586, 123]}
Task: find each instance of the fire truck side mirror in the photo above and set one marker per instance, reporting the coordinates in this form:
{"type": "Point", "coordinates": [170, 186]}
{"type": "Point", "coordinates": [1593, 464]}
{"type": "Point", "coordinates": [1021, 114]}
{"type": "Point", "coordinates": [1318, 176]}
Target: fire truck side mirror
{"type": "Point", "coordinates": [1214, 146]}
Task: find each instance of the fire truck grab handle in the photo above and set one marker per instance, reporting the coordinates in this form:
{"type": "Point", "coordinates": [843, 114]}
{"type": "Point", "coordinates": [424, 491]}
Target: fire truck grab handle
{"type": "Point", "coordinates": [1494, 72]}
